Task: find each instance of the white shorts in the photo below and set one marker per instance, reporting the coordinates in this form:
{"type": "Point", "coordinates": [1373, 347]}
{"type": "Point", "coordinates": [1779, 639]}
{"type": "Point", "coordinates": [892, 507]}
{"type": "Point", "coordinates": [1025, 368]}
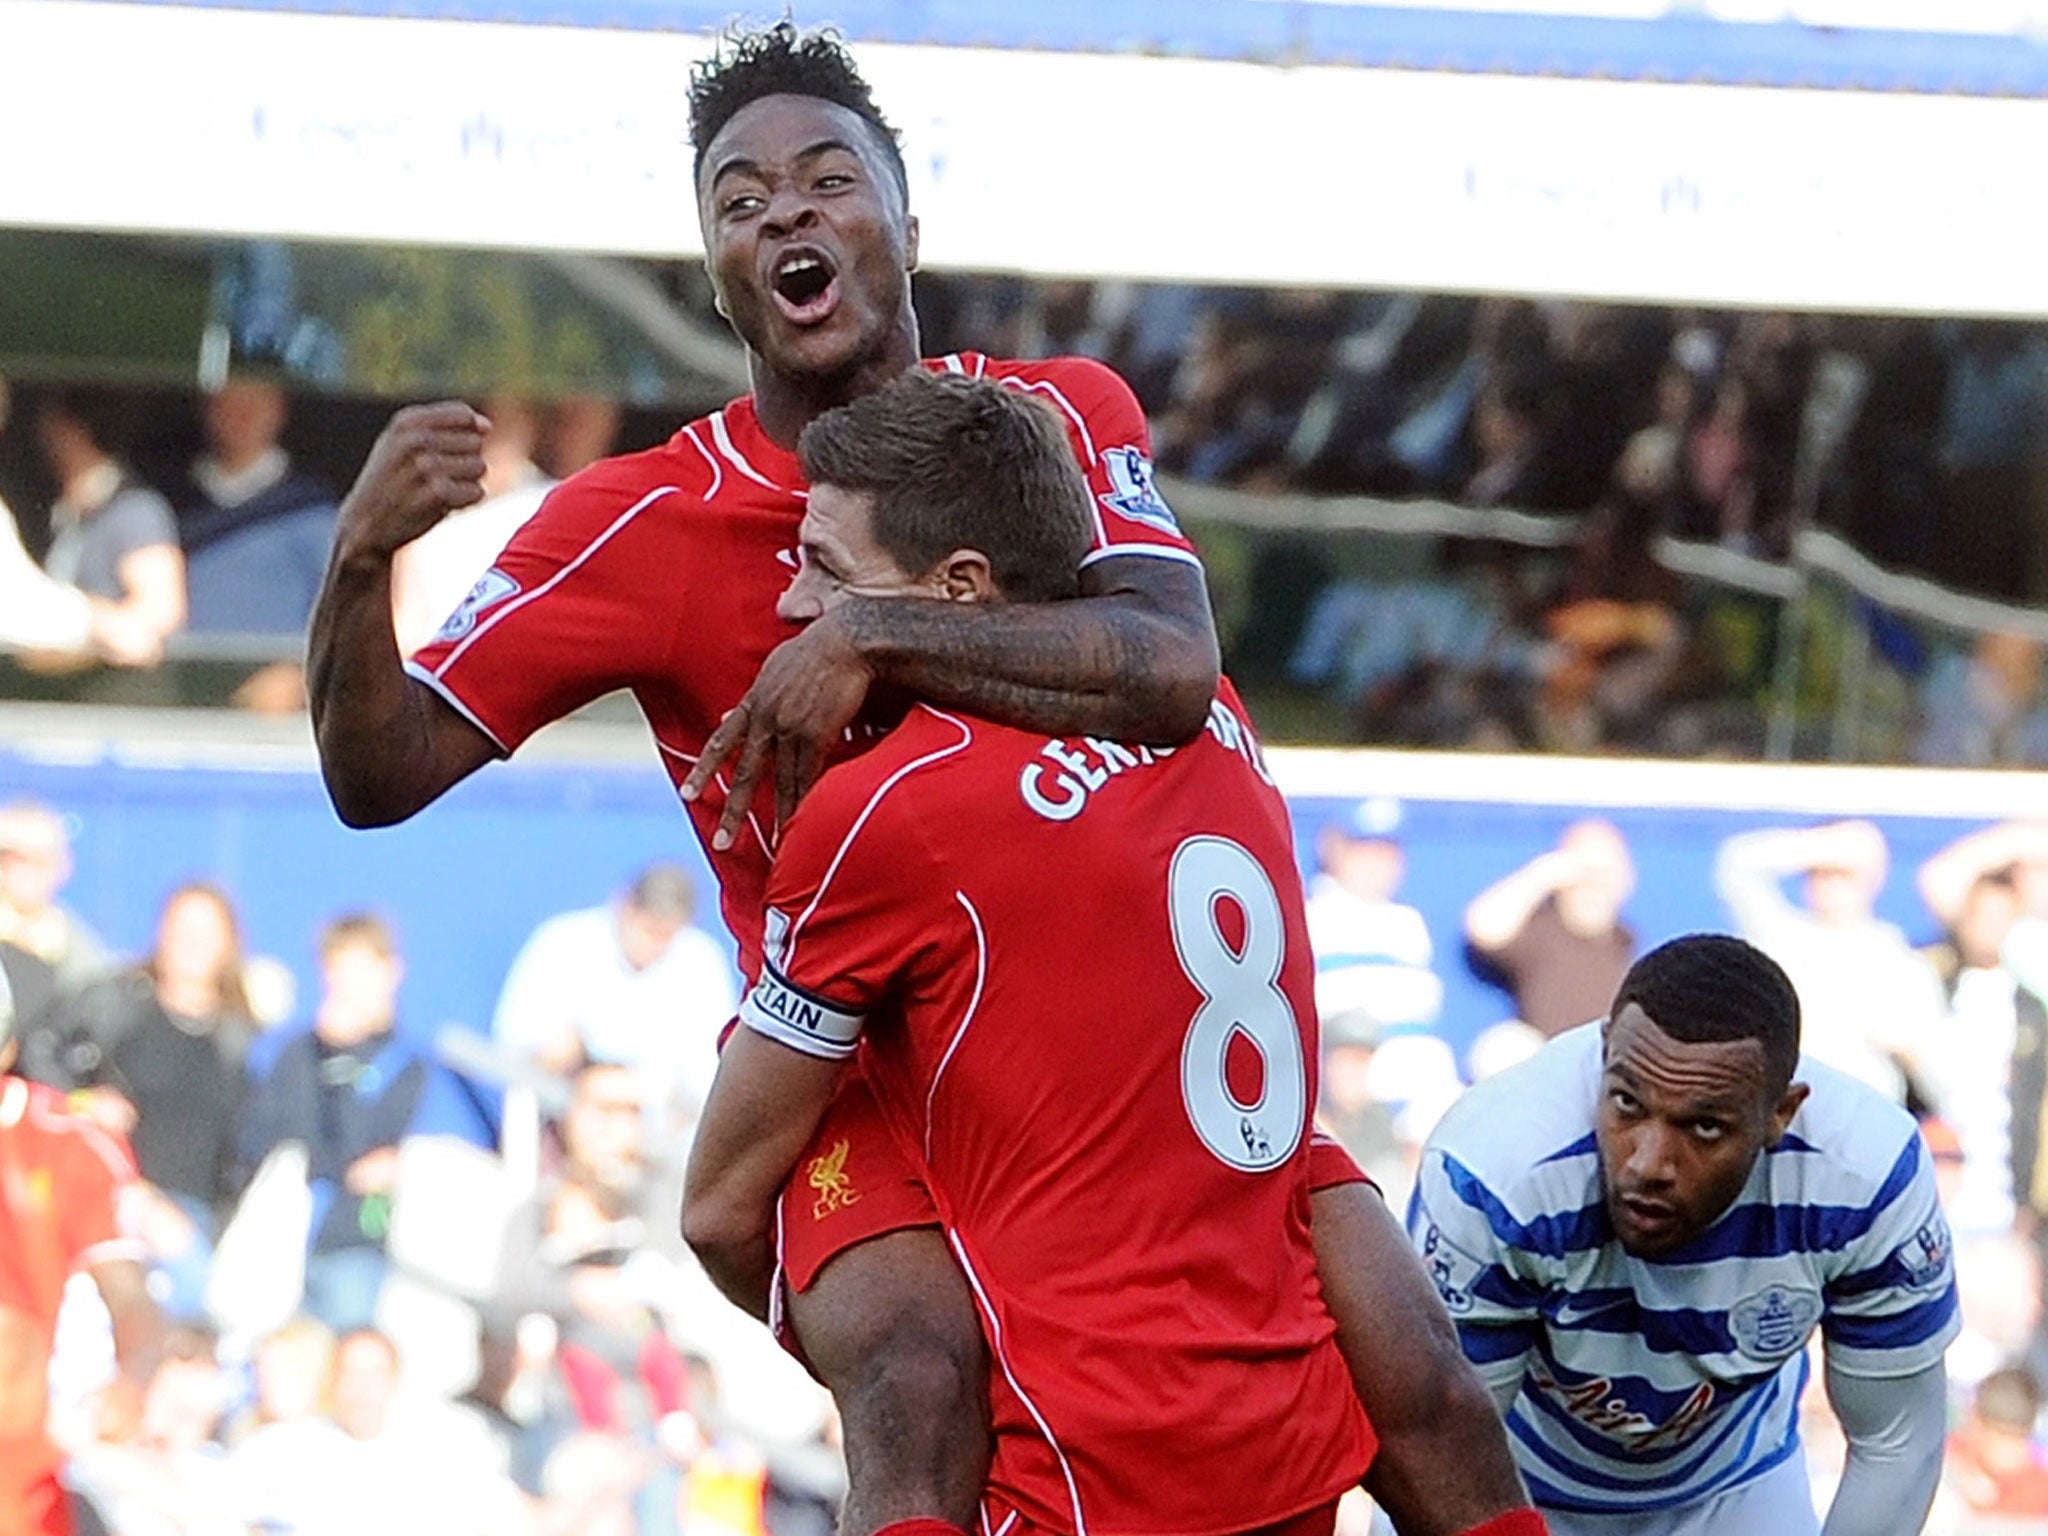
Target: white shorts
{"type": "Point", "coordinates": [1780, 1503]}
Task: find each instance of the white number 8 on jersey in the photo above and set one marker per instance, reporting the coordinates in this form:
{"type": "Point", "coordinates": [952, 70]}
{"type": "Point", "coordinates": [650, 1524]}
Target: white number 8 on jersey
{"type": "Point", "coordinates": [1239, 995]}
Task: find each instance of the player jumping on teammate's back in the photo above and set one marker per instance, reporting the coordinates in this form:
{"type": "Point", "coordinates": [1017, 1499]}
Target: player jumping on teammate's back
{"type": "Point", "coordinates": [659, 573]}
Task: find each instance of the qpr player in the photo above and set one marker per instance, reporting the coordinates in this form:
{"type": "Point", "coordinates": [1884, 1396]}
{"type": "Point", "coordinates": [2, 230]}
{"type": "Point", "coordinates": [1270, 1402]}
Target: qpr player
{"type": "Point", "coordinates": [1639, 1229]}
{"type": "Point", "coordinates": [1086, 1017]}
{"type": "Point", "coordinates": [659, 572]}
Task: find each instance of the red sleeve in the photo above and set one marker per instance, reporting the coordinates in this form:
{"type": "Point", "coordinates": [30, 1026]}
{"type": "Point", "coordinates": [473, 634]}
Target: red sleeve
{"type": "Point", "coordinates": [92, 1175]}
{"type": "Point", "coordinates": [560, 619]}
{"type": "Point", "coordinates": [1114, 445]}
{"type": "Point", "coordinates": [1330, 1166]}
{"type": "Point", "coordinates": [847, 909]}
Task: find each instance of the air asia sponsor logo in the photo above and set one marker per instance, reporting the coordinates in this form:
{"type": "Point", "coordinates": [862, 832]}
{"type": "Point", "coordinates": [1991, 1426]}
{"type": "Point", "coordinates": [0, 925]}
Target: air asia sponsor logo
{"type": "Point", "coordinates": [1924, 1257]}
{"type": "Point", "coordinates": [828, 1176]}
{"type": "Point", "coordinates": [1593, 1403]}
{"type": "Point", "coordinates": [491, 588]}
{"type": "Point", "coordinates": [1132, 493]}
{"type": "Point", "coordinates": [1774, 1322]}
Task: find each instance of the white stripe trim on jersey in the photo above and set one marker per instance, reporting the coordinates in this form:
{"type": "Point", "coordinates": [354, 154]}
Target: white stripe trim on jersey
{"type": "Point", "coordinates": [775, 1280]}
{"type": "Point", "coordinates": [953, 364]}
{"type": "Point", "coordinates": [1009, 1522]}
{"type": "Point", "coordinates": [717, 471]}
{"type": "Point", "coordinates": [112, 1251]}
{"type": "Point", "coordinates": [966, 1019]}
{"type": "Point", "coordinates": [753, 820]}
{"type": "Point", "coordinates": [1147, 551]}
{"type": "Point", "coordinates": [1046, 387]}
{"type": "Point", "coordinates": [505, 610]}
{"type": "Point", "coordinates": [64, 1123]}
{"type": "Point", "coordinates": [852, 832]}
{"type": "Point", "coordinates": [723, 438]}
{"type": "Point", "coordinates": [995, 1335]}
{"type": "Point", "coordinates": [421, 674]}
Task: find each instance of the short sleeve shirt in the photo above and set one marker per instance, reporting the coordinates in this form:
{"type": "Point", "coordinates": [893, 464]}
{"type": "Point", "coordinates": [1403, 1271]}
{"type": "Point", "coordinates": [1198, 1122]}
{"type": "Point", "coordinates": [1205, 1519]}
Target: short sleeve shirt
{"type": "Point", "coordinates": [87, 552]}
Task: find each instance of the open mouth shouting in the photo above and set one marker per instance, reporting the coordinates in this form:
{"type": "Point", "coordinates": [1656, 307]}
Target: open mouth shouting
{"type": "Point", "coordinates": [806, 285]}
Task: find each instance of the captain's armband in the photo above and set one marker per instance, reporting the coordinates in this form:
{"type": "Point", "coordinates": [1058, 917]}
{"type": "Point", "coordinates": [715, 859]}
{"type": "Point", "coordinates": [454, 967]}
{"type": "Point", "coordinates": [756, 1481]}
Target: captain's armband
{"type": "Point", "coordinates": [793, 1017]}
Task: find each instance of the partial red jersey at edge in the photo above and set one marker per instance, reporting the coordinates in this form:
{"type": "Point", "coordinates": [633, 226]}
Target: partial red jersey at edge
{"type": "Point", "coordinates": [1083, 974]}
{"type": "Point", "coordinates": [61, 1179]}
{"type": "Point", "coordinates": [659, 572]}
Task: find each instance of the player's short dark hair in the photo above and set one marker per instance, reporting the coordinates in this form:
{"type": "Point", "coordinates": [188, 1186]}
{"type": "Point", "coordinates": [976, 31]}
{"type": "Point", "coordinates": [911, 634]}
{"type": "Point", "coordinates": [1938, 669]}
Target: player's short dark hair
{"type": "Point", "coordinates": [1710, 987]}
{"type": "Point", "coordinates": [783, 60]}
{"type": "Point", "coordinates": [959, 463]}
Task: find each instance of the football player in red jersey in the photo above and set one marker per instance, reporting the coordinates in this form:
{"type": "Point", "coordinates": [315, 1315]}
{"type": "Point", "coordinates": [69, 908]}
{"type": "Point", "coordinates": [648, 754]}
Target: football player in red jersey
{"type": "Point", "coordinates": [60, 1178]}
{"type": "Point", "coordinates": [660, 572]}
{"type": "Point", "coordinates": [1082, 975]}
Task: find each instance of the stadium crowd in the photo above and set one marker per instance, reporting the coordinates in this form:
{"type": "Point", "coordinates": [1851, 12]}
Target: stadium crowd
{"type": "Point", "coordinates": [379, 1251]}
{"type": "Point", "coordinates": [1915, 440]}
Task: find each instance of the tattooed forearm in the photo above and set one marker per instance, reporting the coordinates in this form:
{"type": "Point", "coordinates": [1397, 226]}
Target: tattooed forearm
{"type": "Point", "coordinates": [1136, 664]}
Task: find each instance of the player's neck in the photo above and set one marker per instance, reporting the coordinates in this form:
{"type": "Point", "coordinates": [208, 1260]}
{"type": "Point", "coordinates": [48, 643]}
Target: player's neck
{"type": "Point", "coordinates": [785, 404]}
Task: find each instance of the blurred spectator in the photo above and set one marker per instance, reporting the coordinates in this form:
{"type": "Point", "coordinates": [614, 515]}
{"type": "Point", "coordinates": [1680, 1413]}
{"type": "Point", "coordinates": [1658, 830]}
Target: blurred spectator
{"type": "Point", "coordinates": [1618, 640]}
{"type": "Point", "coordinates": [171, 1478]}
{"type": "Point", "coordinates": [37, 615]}
{"type": "Point", "coordinates": [630, 982]}
{"type": "Point", "coordinates": [596, 1250]}
{"type": "Point", "coordinates": [256, 532]}
{"type": "Point", "coordinates": [431, 575]}
{"type": "Point", "coordinates": [413, 1465]}
{"type": "Point", "coordinates": [1717, 502]}
{"type": "Point", "coordinates": [286, 1459]}
{"type": "Point", "coordinates": [1989, 1077]}
{"type": "Point", "coordinates": [1347, 1108]}
{"type": "Point", "coordinates": [1514, 423]}
{"type": "Point", "coordinates": [155, 1054]}
{"type": "Point", "coordinates": [113, 536]}
{"type": "Point", "coordinates": [1995, 1465]}
{"type": "Point", "coordinates": [1373, 953]}
{"type": "Point", "coordinates": [1992, 409]}
{"type": "Point", "coordinates": [1551, 932]}
{"type": "Point", "coordinates": [61, 1180]}
{"type": "Point", "coordinates": [1436, 662]}
{"type": "Point", "coordinates": [1650, 474]}
{"type": "Point", "coordinates": [35, 866]}
{"type": "Point", "coordinates": [1990, 1073]}
{"type": "Point", "coordinates": [347, 1088]}
{"type": "Point", "coordinates": [581, 429]}
{"type": "Point", "coordinates": [1986, 710]}
{"type": "Point", "coordinates": [1868, 1001]}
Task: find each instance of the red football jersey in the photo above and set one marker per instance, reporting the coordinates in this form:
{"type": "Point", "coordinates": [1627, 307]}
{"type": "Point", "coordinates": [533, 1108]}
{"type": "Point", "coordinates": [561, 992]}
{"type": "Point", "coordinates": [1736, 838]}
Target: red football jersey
{"type": "Point", "coordinates": [1082, 975]}
{"type": "Point", "coordinates": [659, 572]}
{"type": "Point", "coordinates": [61, 1178]}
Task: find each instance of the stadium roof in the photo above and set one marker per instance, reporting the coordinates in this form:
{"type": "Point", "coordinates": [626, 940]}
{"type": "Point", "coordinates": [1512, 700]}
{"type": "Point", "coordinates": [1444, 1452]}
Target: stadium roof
{"type": "Point", "coordinates": [1966, 47]}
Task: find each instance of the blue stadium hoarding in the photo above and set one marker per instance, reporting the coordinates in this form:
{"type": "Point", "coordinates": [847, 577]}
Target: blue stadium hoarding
{"type": "Point", "coordinates": [1686, 45]}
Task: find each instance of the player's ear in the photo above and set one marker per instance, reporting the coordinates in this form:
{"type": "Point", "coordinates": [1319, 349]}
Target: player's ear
{"type": "Point", "coordinates": [965, 576]}
{"type": "Point", "coordinates": [910, 243]}
{"type": "Point", "coordinates": [1788, 1106]}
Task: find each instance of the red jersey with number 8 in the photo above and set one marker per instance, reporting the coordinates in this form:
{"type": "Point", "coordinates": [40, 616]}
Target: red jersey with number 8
{"type": "Point", "coordinates": [1078, 972]}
